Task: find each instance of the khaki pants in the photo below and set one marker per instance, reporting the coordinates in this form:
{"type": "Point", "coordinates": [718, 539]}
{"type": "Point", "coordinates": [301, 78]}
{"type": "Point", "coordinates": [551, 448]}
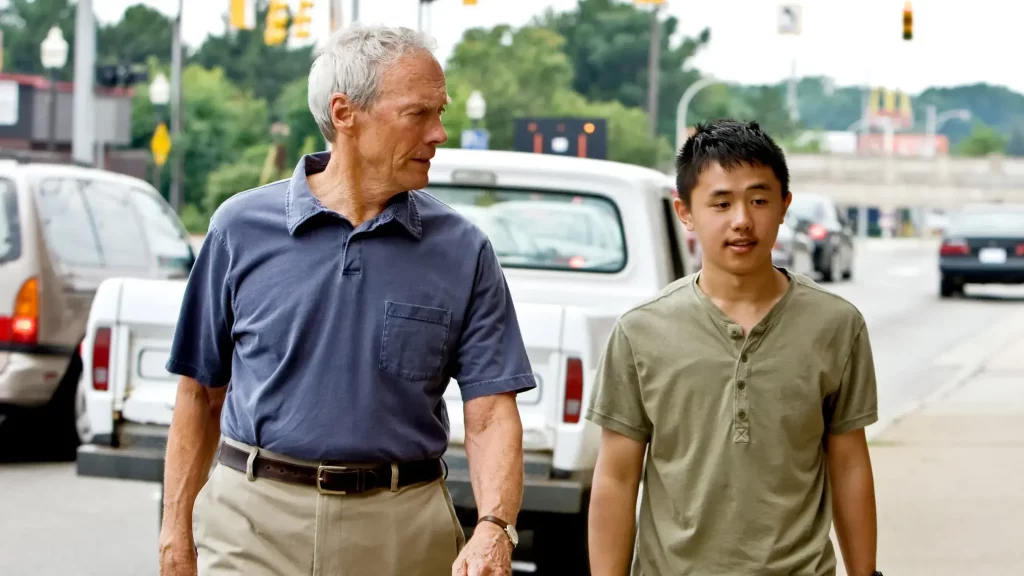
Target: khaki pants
{"type": "Point", "coordinates": [266, 527]}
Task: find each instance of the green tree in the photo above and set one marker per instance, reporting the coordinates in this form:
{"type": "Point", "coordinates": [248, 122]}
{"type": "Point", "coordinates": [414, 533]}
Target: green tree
{"type": "Point", "coordinates": [292, 107]}
{"type": "Point", "coordinates": [984, 140]}
{"type": "Point", "coordinates": [532, 76]}
{"type": "Point", "coordinates": [608, 43]}
{"type": "Point", "coordinates": [234, 177]}
{"type": "Point", "coordinates": [521, 79]}
{"type": "Point", "coordinates": [141, 34]}
{"type": "Point", "coordinates": [220, 122]}
{"type": "Point", "coordinates": [251, 64]}
{"type": "Point", "coordinates": [25, 24]}
{"type": "Point", "coordinates": [1015, 145]}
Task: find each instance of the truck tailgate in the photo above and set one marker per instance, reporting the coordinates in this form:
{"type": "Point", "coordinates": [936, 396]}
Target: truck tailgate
{"type": "Point", "coordinates": [541, 325]}
{"type": "Point", "coordinates": [147, 322]}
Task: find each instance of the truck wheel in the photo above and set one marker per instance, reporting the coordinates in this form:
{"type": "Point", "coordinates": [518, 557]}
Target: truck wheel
{"type": "Point", "coordinates": [560, 547]}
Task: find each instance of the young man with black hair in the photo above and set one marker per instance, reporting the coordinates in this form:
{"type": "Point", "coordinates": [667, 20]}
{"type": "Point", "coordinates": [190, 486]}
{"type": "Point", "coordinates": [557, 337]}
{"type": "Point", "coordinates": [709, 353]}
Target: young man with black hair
{"type": "Point", "coordinates": [746, 387]}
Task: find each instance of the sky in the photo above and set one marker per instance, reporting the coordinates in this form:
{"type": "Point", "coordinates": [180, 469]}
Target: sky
{"type": "Point", "coordinates": [854, 42]}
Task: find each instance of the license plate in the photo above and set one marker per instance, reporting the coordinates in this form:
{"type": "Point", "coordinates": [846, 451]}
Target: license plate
{"type": "Point", "coordinates": [992, 256]}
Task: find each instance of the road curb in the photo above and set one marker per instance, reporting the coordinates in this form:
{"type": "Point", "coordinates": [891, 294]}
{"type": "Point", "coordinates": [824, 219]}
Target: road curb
{"type": "Point", "coordinates": [963, 376]}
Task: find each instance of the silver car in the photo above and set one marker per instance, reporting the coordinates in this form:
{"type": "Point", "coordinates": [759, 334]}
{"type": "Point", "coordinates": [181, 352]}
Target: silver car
{"type": "Point", "coordinates": [793, 250]}
{"type": "Point", "coordinates": [63, 230]}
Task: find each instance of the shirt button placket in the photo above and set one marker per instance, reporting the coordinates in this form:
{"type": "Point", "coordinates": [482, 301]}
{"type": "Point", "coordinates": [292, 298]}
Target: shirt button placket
{"type": "Point", "coordinates": [741, 414]}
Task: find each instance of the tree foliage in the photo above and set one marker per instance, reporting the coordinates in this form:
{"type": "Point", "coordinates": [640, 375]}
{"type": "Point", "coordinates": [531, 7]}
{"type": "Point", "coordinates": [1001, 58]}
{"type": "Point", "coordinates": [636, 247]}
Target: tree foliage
{"type": "Point", "coordinates": [589, 61]}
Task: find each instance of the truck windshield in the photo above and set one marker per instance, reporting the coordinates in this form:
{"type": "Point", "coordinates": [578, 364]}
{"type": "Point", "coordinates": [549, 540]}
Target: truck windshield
{"type": "Point", "coordinates": [548, 230]}
{"type": "Point", "coordinates": [10, 233]}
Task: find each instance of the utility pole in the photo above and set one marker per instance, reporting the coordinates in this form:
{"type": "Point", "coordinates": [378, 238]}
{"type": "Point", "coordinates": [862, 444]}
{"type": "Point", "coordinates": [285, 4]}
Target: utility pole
{"type": "Point", "coordinates": [355, 11]}
{"type": "Point", "coordinates": [177, 160]}
{"type": "Point", "coordinates": [335, 9]}
{"type": "Point", "coordinates": [653, 72]}
{"type": "Point", "coordinates": [83, 139]}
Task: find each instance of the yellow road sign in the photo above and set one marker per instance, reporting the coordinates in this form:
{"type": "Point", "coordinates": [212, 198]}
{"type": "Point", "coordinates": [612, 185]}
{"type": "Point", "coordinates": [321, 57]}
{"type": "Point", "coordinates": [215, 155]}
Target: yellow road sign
{"type": "Point", "coordinates": [160, 145]}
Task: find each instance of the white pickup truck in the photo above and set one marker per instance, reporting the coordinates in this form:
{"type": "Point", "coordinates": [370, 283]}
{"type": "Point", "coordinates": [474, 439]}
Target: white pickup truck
{"type": "Point", "coordinates": [580, 241]}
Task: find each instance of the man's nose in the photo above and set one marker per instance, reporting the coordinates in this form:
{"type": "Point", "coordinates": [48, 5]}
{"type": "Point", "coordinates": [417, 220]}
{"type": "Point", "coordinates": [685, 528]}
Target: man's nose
{"type": "Point", "coordinates": [436, 134]}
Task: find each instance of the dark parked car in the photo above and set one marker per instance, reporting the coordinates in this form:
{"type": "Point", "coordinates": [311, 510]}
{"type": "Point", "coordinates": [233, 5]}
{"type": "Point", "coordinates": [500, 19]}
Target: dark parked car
{"type": "Point", "coordinates": [829, 230]}
{"type": "Point", "coordinates": [984, 244]}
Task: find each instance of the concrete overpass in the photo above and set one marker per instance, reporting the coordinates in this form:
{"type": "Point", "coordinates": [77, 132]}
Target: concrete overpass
{"type": "Point", "coordinates": [900, 182]}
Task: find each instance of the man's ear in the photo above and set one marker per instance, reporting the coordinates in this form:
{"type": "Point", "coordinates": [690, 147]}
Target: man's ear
{"type": "Point", "coordinates": [343, 114]}
{"type": "Point", "coordinates": [683, 213]}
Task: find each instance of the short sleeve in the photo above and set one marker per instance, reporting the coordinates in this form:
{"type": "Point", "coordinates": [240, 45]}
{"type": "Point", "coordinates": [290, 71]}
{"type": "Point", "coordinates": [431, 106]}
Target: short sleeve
{"type": "Point", "coordinates": [855, 404]}
{"type": "Point", "coordinates": [491, 356]}
{"type": "Point", "coordinates": [202, 346]}
{"type": "Point", "coordinates": [615, 402]}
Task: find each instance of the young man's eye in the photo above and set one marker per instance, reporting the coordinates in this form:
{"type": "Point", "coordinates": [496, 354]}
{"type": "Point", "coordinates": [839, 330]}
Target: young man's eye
{"type": "Point", "coordinates": [722, 205]}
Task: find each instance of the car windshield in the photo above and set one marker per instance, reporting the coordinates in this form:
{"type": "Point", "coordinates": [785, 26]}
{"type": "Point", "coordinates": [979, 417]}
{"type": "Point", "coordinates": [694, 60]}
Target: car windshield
{"type": "Point", "coordinates": [997, 221]}
{"type": "Point", "coordinates": [807, 208]}
{"type": "Point", "coordinates": [10, 234]}
{"type": "Point", "coordinates": [550, 230]}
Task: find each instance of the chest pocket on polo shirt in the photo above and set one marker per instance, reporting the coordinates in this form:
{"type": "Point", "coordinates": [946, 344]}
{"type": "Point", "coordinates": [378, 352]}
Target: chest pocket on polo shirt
{"type": "Point", "coordinates": [415, 340]}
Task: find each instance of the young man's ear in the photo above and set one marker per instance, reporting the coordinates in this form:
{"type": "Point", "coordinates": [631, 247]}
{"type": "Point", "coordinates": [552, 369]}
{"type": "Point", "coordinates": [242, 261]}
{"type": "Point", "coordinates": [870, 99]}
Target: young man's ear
{"type": "Point", "coordinates": [683, 212]}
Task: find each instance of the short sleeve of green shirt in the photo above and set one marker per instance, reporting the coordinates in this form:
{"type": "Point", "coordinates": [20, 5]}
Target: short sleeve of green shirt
{"type": "Point", "coordinates": [855, 404]}
{"type": "Point", "coordinates": [616, 402]}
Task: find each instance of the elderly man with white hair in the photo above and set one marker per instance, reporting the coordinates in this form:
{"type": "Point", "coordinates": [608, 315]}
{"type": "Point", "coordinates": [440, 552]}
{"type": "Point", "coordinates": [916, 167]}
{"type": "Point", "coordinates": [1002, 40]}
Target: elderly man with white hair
{"type": "Point", "coordinates": [323, 320]}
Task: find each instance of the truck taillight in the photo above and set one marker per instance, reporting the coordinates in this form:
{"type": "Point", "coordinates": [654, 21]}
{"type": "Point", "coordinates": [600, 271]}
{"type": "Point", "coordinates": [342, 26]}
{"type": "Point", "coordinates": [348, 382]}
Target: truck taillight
{"type": "Point", "coordinates": [101, 359]}
{"type": "Point", "coordinates": [573, 391]}
{"type": "Point", "coordinates": [23, 326]}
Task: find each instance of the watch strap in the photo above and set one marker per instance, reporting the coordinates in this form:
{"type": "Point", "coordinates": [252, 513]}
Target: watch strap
{"type": "Point", "coordinates": [493, 519]}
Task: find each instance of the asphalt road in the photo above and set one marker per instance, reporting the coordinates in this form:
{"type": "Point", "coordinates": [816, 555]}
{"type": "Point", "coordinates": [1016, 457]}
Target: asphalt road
{"type": "Point", "coordinates": [52, 522]}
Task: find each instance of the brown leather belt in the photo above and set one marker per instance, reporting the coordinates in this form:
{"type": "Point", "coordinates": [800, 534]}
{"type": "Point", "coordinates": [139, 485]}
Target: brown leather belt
{"type": "Point", "coordinates": [329, 478]}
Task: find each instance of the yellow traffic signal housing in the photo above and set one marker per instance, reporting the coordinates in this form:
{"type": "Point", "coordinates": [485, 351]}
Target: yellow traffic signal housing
{"type": "Point", "coordinates": [303, 20]}
{"type": "Point", "coordinates": [469, 2]}
{"type": "Point", "coordinates": [276, 31]}
{"type": "Point", "coordinates": [908, 22]}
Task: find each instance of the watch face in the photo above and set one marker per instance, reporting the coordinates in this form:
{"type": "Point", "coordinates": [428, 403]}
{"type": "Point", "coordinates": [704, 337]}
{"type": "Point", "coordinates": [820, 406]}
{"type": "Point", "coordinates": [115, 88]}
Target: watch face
{"type": "Point", "coordinates": [511, 530]}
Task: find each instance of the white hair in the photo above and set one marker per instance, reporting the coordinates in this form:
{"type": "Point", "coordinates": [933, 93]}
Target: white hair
{"type": "Point", "coordinates": [353, 63]}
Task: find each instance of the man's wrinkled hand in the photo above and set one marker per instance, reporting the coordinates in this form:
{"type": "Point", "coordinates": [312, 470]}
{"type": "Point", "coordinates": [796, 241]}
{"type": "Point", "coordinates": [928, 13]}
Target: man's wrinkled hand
{"type": "Point", "coordinates": [488, 553]}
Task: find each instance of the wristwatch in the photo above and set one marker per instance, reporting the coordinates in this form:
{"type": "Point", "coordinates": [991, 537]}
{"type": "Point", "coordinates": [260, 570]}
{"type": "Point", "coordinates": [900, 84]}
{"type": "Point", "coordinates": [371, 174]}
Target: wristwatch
{"type": "Point", "coordinates": [509, 529]}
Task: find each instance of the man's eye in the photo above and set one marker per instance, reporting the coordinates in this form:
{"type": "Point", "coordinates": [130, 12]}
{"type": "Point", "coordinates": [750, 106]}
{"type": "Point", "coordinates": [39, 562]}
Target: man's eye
{"type": "Point", "coordinates": [722, 205]}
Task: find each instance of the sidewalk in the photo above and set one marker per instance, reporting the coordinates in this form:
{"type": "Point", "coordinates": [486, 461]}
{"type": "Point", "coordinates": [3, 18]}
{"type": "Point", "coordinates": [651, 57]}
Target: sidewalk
{"type": "Point", "coordinates": [950, 477]}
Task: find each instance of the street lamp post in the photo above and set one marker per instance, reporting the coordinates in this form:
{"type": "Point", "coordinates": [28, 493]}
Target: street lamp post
{"type": "Point", "coordinates": [54, 54]}
{"type": "Point", "coordinates": [476, 107]}
{"type": "Point", "coordinates": [684, 104]}
{"type": "Point", "coordinates": [934, 122]}
{"type": "Point", "coordinates": [159, 96]}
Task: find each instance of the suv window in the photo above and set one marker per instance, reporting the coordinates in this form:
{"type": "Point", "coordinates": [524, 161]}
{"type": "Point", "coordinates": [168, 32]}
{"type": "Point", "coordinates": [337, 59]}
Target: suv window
{"type": "Point", "coordinates": [550, 230]}
{"type": "Point", "coordinates": [122, 241]}
{"type": "Point", "coordinates": [67, 224]}
{"type": "Point", "coordinates": [10, 230]}
{"type": "Point", "coordinates": [166, 239]}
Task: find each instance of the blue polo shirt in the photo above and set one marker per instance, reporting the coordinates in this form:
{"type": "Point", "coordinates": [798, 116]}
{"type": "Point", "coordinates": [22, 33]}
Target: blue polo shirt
{"type": "Point", "coordinates": [338, 342]}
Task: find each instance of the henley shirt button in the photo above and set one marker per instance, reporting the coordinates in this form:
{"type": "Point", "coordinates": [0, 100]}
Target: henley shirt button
{"type": "Point", "coordinates": [743, 358]}
{"type": "Point", "coordinates": [741, 385]}
{"type": "Point", "coordinates": [742, 415]}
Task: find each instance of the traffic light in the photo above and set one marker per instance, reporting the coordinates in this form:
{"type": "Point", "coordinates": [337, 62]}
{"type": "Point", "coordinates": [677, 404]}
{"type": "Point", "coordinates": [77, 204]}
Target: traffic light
{"type": "Point", "coordinates": [302, 20]}
{"type": "Point", "coordinates": [121, 75]}
{"type": "Point", "coordinates": [908, 22]}
{"type": "Point", "coordinates": [469, 2]}
{"type": "Point", "coordinates": [276, 31]}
